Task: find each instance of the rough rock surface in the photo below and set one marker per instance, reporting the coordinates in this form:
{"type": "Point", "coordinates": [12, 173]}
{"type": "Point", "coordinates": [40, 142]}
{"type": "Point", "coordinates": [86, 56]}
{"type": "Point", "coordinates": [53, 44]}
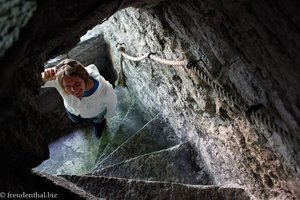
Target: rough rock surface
{"type": "Point", "coordinates": [242, 50]}
{"type": "Point", "coordinates": [74, 153]}
{"type": "Point", "coordinates": [116, 188]}
{"type": "Point", "coordinates": [248, 47]}
{"type": "Point", "coordinates": [67, 187]}
{"type": "Point", "coordinates": [176, 164]}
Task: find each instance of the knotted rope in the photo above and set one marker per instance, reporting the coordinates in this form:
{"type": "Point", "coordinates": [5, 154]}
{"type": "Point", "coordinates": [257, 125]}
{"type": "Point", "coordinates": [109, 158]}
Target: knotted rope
{"type": "Point", "coordinates": [151, 56]}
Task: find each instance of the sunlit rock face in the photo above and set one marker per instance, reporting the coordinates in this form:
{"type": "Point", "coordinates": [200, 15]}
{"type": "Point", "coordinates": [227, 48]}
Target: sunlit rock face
{"type": "Point", "coordinates": [248, 47]}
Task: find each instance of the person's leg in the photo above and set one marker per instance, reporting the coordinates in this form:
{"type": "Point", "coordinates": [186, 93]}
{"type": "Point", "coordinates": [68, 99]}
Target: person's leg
{"type": "Point", "coordinates": [99, 123]}
{"type": "Point", "coordinates": [74, 118]}
{"type": "Point", "coordinates": [99, 127]}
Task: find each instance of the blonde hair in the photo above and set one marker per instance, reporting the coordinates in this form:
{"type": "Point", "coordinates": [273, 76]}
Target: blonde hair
{"type": "Point", "coordinates": [71, 67]}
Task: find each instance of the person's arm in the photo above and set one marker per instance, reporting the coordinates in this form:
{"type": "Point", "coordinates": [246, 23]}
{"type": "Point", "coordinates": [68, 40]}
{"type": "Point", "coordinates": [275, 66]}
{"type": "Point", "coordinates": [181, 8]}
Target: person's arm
{"type": "Point", "coordinates": [49, 78]}
{"type": "Point", "coordinates": [49, 74]}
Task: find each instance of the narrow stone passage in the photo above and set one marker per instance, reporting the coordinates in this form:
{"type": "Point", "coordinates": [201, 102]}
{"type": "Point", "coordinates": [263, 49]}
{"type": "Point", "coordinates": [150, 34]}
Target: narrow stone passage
{"type": "Point", "coordinates": [224, 127]}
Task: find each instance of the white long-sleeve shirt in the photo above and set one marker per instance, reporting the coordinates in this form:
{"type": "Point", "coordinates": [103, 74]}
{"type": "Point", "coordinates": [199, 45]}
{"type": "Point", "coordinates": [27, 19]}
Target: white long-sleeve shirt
{"type": "Point", "coordinates": [93, 105]}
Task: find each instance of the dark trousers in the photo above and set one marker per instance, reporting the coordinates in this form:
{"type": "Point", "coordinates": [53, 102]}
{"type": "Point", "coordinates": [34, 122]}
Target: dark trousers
{"type": "Point", "coordinates": [76, 119]}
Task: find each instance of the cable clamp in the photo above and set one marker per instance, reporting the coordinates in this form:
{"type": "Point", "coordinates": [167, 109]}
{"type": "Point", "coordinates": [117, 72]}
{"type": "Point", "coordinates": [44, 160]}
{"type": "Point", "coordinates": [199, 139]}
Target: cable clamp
{"type": "Point", "coordinates": [120, 46]}
{"type": "Point", "coordinates": [191, 63]}
{"type": "Point", "coordinates": [151, 53]}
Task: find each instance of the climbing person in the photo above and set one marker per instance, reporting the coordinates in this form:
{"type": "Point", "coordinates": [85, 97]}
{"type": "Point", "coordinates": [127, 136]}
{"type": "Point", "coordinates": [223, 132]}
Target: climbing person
{"type": "Point", "coordinates": [86, 94]}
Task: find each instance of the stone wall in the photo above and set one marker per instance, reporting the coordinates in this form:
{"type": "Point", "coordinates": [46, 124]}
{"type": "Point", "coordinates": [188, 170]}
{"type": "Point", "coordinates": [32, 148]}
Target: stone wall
{"type": "Point", "coordinates": [249, 47]}
{"type": "Point", "coordinates": [243, 49]}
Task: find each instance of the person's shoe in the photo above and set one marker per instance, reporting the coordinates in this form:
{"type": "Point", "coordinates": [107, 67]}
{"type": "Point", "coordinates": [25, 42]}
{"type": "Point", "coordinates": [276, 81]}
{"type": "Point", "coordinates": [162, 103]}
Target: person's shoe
{"type": "Point", "coordinates": [99, 127]}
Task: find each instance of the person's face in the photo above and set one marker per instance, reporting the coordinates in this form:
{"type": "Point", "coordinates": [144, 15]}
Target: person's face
{"type": "Point", "coordinates": [74, 85]}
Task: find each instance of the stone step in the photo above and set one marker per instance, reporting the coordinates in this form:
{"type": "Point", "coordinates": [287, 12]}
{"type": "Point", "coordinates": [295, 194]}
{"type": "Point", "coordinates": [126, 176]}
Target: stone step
{"type": "Point", "coordinates": [74, 153]}
{"type": "Point", "coordinates": [131, 123]}
{"type": "Point", "coordinates": [155, 135]}
{"type": "Point", "coordinates": [119, 188]}
{"type": "Point", "coordinates": [176, 164]}
{"type": "Point", "coordinates": [60, 188]}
